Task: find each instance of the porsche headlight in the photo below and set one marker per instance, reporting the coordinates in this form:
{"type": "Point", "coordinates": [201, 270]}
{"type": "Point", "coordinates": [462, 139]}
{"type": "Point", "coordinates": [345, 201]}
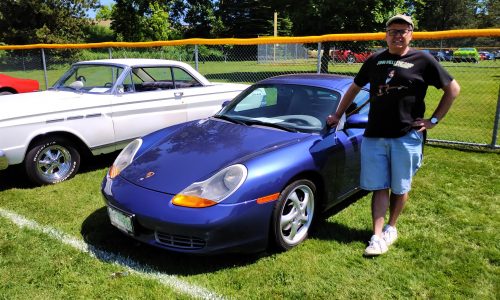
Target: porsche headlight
{"type": "Point", "coordinates": [213, 190]}
{"type": "Point", "coordinates": [124, 158]}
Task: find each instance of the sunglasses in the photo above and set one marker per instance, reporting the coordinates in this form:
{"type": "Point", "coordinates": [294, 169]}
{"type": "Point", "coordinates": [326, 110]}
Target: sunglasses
{"type": "Point", "coordinates": [395, 32]}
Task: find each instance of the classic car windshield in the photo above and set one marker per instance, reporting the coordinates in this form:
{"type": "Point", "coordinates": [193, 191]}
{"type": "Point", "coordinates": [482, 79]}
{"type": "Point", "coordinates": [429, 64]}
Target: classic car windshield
{"type": "Point", "coordinates": [296, 107]}
{"type": "Point", "coordinates": [90, 78]}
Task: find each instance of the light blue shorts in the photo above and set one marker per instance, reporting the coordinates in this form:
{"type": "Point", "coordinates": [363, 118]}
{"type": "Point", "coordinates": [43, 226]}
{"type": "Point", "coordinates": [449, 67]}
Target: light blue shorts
{"type": "Point", "coordinates": [390, 162]}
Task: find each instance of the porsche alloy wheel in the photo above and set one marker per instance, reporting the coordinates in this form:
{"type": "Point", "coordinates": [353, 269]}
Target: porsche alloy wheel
{"type": "Point", "coordinates": [293, 214]}
{"type": "Point", "coordinates": [51, 161]}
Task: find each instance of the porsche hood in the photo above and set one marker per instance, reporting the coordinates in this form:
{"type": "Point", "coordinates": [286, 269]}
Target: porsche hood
{"type": "Point", "coordinates": [199, 149]}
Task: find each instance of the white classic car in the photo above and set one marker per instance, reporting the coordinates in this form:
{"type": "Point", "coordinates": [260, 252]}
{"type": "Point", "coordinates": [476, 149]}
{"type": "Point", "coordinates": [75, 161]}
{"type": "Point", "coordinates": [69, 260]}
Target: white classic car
{"type": "Point", "coordinates": [98, 107]}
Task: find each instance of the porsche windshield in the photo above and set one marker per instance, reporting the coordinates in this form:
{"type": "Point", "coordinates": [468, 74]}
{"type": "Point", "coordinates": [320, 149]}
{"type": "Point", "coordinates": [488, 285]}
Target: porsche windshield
{"type": "Point", "coordinates": [90, 78]}
{"type": "Point", "coordinates": [297, 107]}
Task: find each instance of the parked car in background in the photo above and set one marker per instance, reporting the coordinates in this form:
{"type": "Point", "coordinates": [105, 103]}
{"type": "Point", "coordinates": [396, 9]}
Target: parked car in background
{"type": "Point", "coordinates": [348, 56]}
{"type": "Point", "coordinates": [466, 55]}
{"type": "Point", "coordinates": [441, 55]}
{"type": "Point", "coordinates": [12, 85]}
{"type": "Point", "coordinates": [485, 55]}
{"type": "Point", "coordinates": [434, 53]}
{"type": "Point", "coordinates": [98, 107]}
{"type": "Point", "coordinates": [256, 174]}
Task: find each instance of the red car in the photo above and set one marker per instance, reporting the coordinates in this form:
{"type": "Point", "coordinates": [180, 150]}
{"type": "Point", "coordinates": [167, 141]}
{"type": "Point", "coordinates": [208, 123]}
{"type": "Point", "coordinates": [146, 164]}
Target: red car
{"type": "Point", "coordinates": [12, 85]}
{"type": "Point", "coordinates": [349, 56]}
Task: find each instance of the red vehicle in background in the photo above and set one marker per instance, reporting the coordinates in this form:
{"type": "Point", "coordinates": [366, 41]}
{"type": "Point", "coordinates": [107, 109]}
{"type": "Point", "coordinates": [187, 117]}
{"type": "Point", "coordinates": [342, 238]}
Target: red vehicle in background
{"type": "Point", "coordinates": [11, 85]}
{"type": "Point", "coordinates": [348, 56]}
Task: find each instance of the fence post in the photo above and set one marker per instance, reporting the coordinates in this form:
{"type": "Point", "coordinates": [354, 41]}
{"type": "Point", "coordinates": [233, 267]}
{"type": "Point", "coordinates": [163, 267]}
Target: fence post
{"type": "Point", "coordinates": [495, 123]}
{"type": "Point", "coordinates": [45, 70]}
{"type": "Point", "coordinates": [196, 57]}
{"type": "Point", "coordinates": [110, 54]}
{"type": "Point", "coordinates": [318, 67]}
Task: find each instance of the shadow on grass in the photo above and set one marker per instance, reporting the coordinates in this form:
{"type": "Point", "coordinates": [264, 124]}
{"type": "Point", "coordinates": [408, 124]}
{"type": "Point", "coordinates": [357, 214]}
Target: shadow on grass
{"type": "Point", "coordinates": [338, 232]}
{"type": "Point", "coordinates": [98, 232]}
{"type": "Point", "coordinates": [15, 176]}
{"type": "Point", "coordinates": [106, 241]}
{"type": "Point", "coordinates": [325, 230]}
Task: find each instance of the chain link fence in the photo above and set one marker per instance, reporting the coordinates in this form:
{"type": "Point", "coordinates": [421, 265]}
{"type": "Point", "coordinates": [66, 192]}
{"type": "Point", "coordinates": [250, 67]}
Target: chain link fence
{"type": "Point", "coordinates": [472, 121]}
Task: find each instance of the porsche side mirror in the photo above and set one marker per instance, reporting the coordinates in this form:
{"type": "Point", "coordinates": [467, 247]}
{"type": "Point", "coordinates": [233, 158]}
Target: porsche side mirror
{"type": "Point", "coordinates": [356, 121]}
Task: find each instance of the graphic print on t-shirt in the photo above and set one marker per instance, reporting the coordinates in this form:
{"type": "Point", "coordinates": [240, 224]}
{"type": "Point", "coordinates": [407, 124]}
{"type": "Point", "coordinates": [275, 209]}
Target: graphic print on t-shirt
{"type": "Point", "coordinates": [390, 86]}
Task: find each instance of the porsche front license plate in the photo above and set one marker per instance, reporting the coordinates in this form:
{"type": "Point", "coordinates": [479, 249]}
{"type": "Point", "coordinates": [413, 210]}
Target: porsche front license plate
{"type": "Point", "coordinates": [121, 220]}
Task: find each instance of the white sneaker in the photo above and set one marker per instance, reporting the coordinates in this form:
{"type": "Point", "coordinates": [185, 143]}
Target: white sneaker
{"type": "Point", "coordinates": [376, 247]}
{"type": "Point", "coordinates": [389, 234]}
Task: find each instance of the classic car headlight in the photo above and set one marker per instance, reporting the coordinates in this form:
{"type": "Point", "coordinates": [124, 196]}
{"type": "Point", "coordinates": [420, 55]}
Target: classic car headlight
{"type": "Point", "coordinates": [213, 190]}
{"type": "Point", "coordinates": [124, 158]}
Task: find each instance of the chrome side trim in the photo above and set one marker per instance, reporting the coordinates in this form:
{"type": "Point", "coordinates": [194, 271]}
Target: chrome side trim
{"type": "Point", "coordinates": [108, 148]}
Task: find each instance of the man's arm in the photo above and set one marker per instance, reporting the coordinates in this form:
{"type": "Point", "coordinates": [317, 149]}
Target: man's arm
{"type": "Point", "coordinates": [451, 91]}
{"type": "Point", "coordinates": [333, 119]}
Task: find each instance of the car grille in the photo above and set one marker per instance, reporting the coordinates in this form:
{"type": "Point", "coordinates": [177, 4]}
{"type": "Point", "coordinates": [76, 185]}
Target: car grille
{"type": "Point", "coordinates": [179, 241]}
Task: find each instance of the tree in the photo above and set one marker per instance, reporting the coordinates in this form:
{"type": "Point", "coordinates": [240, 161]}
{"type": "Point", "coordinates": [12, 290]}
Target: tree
{"type": "Point", "coordinates": [245, 18]}
{"type": "Point", "coordinates": [44, 21]}
{"type": "Point", "coordinates": [434, 15]}
{"type": "Point", "coordinates": [319, 17]}
{"type": "Point", "coordinates": [200, 18]}
{"type": "Point", "coordinates": [141, 20]}
{"type": "Point", "coordinates": [489, 14]}
{"type": "Point", "coordinates": [104, 13]}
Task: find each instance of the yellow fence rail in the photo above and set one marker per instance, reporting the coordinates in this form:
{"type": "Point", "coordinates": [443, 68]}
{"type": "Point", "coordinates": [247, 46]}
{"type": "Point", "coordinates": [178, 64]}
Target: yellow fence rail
{"type": "Point", "coordinates": [434, 35]}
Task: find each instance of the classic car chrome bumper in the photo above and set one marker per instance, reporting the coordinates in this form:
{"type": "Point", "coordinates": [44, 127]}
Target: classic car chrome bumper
{"type": "Point", "coordinates": [4, 162]}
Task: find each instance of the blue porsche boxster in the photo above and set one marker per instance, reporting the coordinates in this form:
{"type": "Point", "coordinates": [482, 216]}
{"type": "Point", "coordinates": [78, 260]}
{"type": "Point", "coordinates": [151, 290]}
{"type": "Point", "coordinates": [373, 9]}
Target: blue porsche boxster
{"type": "Point", "coordinates": [254, 175]}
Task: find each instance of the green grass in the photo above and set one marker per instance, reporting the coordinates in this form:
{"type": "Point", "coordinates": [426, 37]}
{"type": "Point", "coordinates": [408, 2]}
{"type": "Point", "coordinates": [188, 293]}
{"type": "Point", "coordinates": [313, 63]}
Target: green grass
{"type": "Point", "coordinates": [449, 245]}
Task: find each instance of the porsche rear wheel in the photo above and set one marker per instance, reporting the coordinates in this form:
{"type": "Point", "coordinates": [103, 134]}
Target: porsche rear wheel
{"type": "Point", "coordinates": [293, 214]}
{"type": "Point", "coordinates": [51, 160]}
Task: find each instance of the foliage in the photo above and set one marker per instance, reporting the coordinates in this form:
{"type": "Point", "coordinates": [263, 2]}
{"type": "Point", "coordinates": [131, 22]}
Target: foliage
{"type": "Point", "coordinates": [245, 18]}
{"type": "Point", "coordinates": [200, 18]}
{"type": "Point", "coordinates": [324, 17]}
{"type": "Point", "coordinates": [440, 14]}
{"type": "Point", "coordinates": [104, 13]}
{"type": "Point", "coordinates": [284, 26]}
{"type": "Point", "coordinates": [141, 20]}
{"type": "Point", "coordinates": [156, 24]}
{"type": "Point", "coordinates": [97, 34]}
{"type": "Point", "coordinates": [47, 21]}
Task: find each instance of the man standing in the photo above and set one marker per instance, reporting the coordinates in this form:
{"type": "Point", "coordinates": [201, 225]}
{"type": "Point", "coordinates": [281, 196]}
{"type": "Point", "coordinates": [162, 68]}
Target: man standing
{"type": "Point", "coordinates": [391, 150]}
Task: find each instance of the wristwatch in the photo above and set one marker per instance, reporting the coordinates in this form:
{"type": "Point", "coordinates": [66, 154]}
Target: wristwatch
{"type": "Point", "coordinates": [434, 120]}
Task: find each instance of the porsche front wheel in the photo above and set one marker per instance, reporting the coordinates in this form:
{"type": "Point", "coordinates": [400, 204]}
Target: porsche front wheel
{"type": "Point", "coordinates": [293, 214]}
{"type": "Point", "coordinates": [51, 160]}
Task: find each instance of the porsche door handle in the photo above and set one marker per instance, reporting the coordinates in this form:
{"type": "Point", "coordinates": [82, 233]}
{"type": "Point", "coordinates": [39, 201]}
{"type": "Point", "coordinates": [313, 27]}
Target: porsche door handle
{"type": "Point", "coordinates": [178, 94]}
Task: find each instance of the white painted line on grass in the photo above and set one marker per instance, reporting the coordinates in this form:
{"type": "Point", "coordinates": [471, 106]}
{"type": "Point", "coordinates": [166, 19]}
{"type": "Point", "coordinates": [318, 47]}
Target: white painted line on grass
{"type": "Point", "coordinates": [131, 265]}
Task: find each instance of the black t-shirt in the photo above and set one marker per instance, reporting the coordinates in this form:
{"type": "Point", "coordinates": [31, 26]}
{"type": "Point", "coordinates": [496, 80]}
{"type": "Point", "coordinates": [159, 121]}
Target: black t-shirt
{"type": "Point", "coordinates": [398, 85]}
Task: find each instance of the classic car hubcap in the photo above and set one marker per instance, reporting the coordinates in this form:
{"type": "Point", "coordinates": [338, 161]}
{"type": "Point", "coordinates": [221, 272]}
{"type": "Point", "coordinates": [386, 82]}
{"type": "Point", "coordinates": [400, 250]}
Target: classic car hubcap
{"type": "Point", "coordinates": [296, 215]}
{"type": "Point", "coordinates": [54, 162]}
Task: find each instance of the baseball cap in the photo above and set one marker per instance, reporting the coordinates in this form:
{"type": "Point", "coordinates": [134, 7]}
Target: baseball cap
{"type": "Point", "coordinates": [406, 19]}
